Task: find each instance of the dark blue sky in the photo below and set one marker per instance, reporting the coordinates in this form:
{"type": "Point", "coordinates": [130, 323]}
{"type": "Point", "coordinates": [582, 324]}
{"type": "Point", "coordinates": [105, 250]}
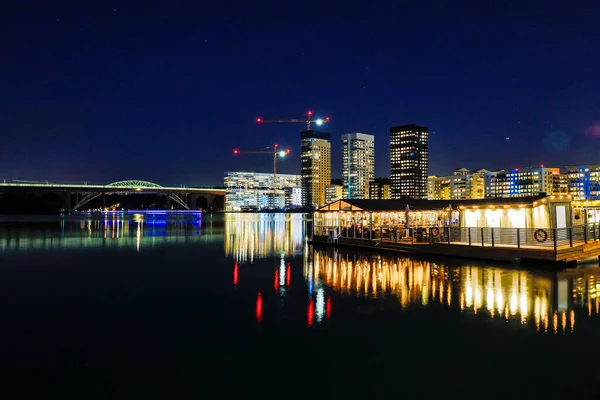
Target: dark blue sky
{"type": "Point", "coordinates": [163, 92]}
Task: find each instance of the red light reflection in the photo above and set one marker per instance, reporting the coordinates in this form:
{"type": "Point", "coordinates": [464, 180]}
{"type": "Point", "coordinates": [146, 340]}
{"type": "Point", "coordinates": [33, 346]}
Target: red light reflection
{"type": "Point", "coordinates": [276, 281]}
{"type": "Point", "coordinates": [311, 312]}
{"type": "Point", "coordinates": [259, 307]}
{"type": "Point", "coordinates": [288, 275]}
{"type": "Point", "coordinates": [235, 274]}
{"type": "Point", "coordinates": [328, 309]}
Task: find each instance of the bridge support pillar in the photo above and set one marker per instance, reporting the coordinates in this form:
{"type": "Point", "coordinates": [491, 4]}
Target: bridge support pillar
{"type": "Point", "coordinates": [103, 201]}
{"type": "Point", "coordinates": [192, 199]}
{"type": "Point", "coordinates": [67, 204]}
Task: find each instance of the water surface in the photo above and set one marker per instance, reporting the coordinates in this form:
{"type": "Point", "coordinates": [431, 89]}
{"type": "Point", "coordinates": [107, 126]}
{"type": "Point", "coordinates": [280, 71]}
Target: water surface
{"type": "Point", "coordinates": [145, 306]}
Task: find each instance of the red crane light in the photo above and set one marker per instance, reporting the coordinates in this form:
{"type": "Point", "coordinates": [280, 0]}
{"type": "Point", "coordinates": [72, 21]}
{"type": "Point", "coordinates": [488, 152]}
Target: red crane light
{"type": "Point", "coordinates": [310, 113]}
{"type": "Point", "coordinates": [236, 151]}
{"type": "Point", "coordinates": [327, 119]}
{"type": "Point", "coordinates": [542, 165]}
{"type": "Point", "coordinates": [287, 151]}
{"type": "Point", "coordinates": [258, 119]}
{"type": "Point", "coordinates": [276, 146]}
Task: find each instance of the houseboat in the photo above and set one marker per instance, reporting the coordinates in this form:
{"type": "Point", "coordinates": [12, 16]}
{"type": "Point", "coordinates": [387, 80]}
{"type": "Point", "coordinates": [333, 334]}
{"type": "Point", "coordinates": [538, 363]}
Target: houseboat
{"type": "Point", "coordinates": [549, 228]}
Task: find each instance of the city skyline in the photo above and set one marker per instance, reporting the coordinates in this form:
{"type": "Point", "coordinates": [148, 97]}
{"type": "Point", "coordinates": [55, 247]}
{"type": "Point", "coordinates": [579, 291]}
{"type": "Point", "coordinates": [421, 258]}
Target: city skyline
{"type": "Point", "coordinates": [164, 94]}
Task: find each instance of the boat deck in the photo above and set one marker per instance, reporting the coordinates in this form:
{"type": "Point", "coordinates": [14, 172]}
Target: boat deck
{"type": "Point", "coordinates": [489, 251]}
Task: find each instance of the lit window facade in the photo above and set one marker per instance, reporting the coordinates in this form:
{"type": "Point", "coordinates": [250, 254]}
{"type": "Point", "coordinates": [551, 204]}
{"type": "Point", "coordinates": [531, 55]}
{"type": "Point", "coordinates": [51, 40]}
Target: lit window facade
{"type": "Point", "coordinates": [409, 161]}
{"type": "Point", "coordinates": [358, 164]}
{"type": "Point", "coordinates": [379, 191]}
{"type": "Point", "coordinates": [530, 181]}
{"type": "Point", "coordinates": [584, 181]}
{"type": "Point", "coordinates": [316, 167]}
{"type": "Point", "coordinates": [560, 183]}
{"type": "Point", "coordinates": [254, 190]}
{"type": "Point", "coordinates": [332, 193]}
{"type": "Point", "coordinates": [461, 185]}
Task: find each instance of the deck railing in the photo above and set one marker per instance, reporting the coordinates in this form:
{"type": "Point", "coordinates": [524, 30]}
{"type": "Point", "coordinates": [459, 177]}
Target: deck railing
{"type": "Point", "coordinates": [519, 237]}
{"type": "Point", "coordinates": [548, 238]}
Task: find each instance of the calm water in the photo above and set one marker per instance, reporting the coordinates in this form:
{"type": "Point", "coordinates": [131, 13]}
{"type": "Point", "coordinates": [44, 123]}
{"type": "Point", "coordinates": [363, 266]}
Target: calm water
{"type": "Point", "coordinates": [179, 307]}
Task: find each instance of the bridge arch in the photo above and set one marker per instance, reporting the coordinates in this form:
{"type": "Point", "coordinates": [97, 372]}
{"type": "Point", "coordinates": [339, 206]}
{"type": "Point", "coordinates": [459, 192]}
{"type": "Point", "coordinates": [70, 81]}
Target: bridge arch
{"type": "Point", "coordinates": [134, 184]}
{"type": "Point", "coordinates": [130, 184]}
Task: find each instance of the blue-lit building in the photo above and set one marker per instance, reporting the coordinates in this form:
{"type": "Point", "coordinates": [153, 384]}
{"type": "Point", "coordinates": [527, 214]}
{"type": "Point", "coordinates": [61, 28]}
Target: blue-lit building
{"type": "Point", "coordinates": [531, 181]}
{"type": "Point", "coordinates": [584, 181]}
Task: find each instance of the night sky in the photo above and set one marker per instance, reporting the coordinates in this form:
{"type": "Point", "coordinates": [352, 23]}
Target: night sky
{"type": "Point", "coordinates": [164, 92]}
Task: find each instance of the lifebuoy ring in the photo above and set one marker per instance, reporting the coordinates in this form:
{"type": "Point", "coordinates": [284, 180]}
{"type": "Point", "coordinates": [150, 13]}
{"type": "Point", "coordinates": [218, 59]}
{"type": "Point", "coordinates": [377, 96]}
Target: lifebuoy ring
{"type": "Point", "coordinates": [435, 231]}
{"type": "Point", "coordinates": [540, 235]}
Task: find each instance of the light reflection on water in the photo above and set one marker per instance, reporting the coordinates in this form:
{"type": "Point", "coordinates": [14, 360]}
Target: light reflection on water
{"type": "Point", "coordinates": [250, 236]}
{"type": "Point", "coordinates": [554, 302]}
{"type": "Point", "coordinates": [110, 230]}
{"type": "Point", "coordinates": [545, 301]}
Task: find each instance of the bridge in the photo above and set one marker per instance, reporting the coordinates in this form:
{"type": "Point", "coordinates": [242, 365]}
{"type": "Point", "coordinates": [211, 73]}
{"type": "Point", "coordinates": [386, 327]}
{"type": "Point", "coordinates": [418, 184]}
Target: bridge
{"type": "Point", "coordinates": [185, 197]}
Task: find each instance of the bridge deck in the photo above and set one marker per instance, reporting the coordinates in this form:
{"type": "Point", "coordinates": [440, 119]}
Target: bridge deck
{"type": "Point", "coordinates": [109, 188]}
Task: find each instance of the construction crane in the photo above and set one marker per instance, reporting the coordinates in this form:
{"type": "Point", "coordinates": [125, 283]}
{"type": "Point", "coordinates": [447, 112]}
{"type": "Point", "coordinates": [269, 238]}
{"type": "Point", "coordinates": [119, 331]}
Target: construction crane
{"type": "Point", "coordinates": [270, 150]}
{"type": "Point", "coordinates": [308, 119]}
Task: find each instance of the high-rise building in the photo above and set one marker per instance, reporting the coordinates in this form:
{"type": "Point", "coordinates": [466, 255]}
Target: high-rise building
{"type": "Point", "coordinates": [316, 166]}
{"type": "Point", "coordinates": [332, 193]}
{"type": "Point", "coordinates": [252, 190]}
{"type": "Point", "coordinates": [358, 164]}
{"type": "Point", "coordinates": [409, 161]}
{"type": "Point", "coordinates": [584, 181]}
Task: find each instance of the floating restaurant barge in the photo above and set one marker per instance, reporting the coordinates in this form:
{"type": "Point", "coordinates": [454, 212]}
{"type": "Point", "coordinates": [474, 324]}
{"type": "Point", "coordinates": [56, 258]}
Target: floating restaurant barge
{"type": "Point", "coordinates": [547, 228]}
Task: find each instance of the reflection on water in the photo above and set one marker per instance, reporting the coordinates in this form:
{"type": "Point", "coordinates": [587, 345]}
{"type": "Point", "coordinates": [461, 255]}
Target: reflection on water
{"type": "Point", "coordinates": [110, 230]}
{"type": "Point", "coordinates": [546, 301]}
{"type": "Point", "coordinates": [250, 236]}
